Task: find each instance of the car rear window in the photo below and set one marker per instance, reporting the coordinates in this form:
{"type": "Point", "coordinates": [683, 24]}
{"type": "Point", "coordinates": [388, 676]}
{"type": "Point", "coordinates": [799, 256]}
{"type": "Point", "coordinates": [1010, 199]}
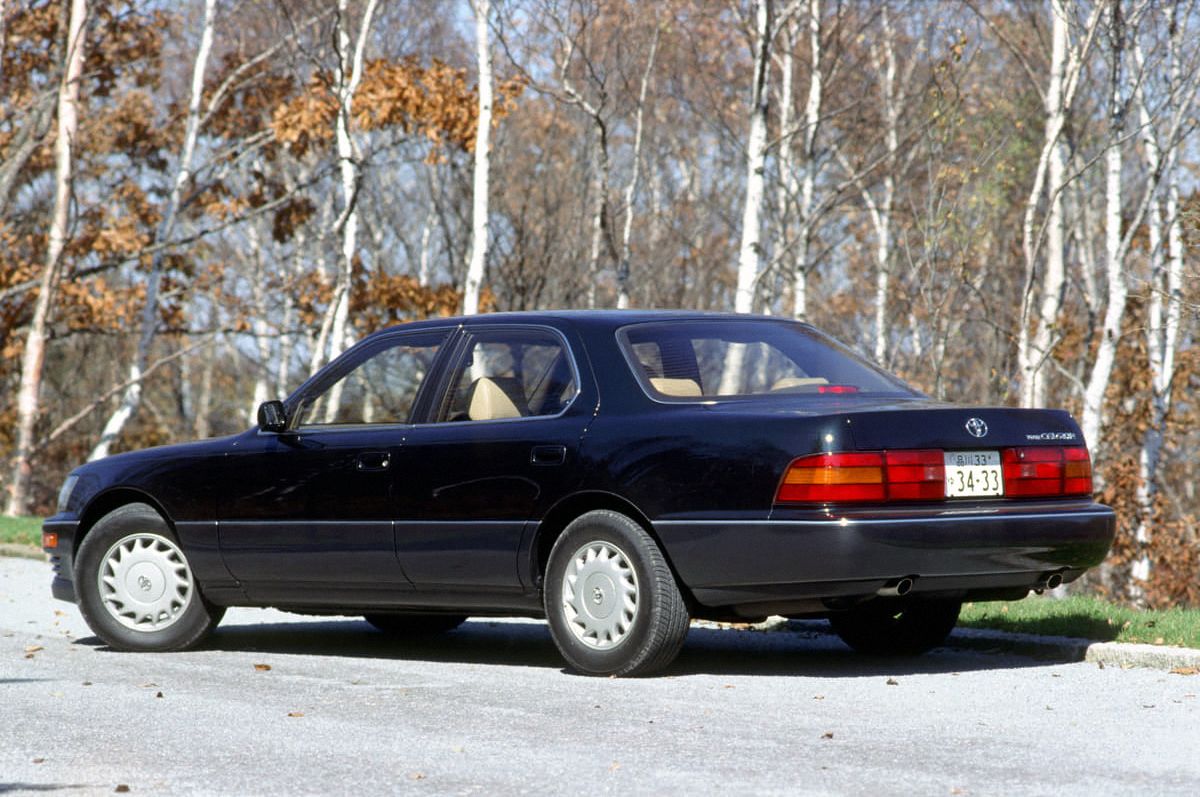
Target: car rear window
{"type": "Point", "coordinates": [735, 357]}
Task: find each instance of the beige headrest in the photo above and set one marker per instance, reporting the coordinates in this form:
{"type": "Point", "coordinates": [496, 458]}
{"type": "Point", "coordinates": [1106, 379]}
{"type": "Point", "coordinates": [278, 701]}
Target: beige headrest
{"type": "Point", "coordinates": [798, 381]}
{"type": "Point", "coordinates": [676, 387]}
{"type": "Point", "coordinates": [489, 402]}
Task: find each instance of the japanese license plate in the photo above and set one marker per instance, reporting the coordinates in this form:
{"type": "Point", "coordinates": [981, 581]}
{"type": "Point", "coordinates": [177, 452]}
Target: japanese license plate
{"type": "Point", "coordinates": [973, 474]}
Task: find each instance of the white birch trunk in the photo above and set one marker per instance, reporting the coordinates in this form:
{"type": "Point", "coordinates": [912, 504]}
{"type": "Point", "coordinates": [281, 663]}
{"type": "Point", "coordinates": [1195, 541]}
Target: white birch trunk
{"type": "Point", "coordinates": [1165, 309]}
{"type": "Point", "coordinates": [882, 215]}
{"type": "Point", "coordinates": [34, 357]}
{"type": "Point", "coordinates": [789, 180]}
{"type": "Point", "coordinates": [623, 268]}
{"type": "Point", "coordinates": [479, 210]}
{"type": "Point", "coordinates": [1031, 343]}
{"type": "Point", "coordinates": [1114, 251]}
{"type": "Point", "coordinates": [812, 118]}
{"type": "Point", "coordinates": [350, 171]}
{"type": "Point", "coordinates": [750, 255]}
{"type": "Point", "coordinates": [132, 398]}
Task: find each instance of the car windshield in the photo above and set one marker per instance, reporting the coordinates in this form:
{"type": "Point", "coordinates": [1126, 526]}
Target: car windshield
{"type": "Point", "coordinates": [739, 357]}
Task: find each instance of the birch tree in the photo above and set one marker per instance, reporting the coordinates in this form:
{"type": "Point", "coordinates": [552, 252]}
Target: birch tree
{"type": "Point", "coordinates": [1039, 311]}
{"type": "Point", "coordinates": [183, 175]}
{"type": "Point", "coordinates": [479, 234]}
{"type": "Point", "coordinates": [631, 188]}
{"type": "Point", "coordinates": [348, 73]}
{"type": "Point", "coordinates": [34, 355]}
{"type": "Point", "coordinates": [1165, 288]}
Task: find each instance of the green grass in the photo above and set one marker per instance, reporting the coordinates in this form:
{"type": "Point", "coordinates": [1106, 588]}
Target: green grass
{"type": "Point", "coordinates": [1090, 618]}
{"type": "Point", "coordinates": [21, 530]}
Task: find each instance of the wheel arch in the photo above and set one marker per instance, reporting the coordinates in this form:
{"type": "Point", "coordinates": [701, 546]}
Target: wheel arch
{"type": "Point", "coordinates": [112, 499]}
{"type": "Point", "coordinates": [573, 506]}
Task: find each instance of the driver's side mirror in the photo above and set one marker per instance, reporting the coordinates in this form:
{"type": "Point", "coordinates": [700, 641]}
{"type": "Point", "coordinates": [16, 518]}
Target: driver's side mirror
{"type": "Point", "coordinates": [272, 417]}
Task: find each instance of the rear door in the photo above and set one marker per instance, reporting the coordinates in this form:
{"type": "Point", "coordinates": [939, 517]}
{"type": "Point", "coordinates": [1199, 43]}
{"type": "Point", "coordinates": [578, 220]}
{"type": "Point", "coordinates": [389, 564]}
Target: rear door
{"type": "Point", "coordinates": [502, 446]}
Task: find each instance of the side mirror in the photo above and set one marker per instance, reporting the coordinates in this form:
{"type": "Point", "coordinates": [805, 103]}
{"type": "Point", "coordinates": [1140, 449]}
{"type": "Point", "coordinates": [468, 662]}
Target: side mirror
{"type": "Point", "coordinates": [272, 417]}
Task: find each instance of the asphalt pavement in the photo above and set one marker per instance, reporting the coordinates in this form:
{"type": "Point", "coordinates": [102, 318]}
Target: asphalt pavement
{"type": "Point", "coordinates": [281, 704]}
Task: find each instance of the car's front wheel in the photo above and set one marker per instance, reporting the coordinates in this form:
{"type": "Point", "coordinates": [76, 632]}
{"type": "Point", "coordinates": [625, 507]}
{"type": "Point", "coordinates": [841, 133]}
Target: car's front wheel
{"type": "Point", "coordinates": [136, 589]}
{"type": "Point", "coordinates": [897, 627]}
{"type": "Point", "coordinates": [611, 600]}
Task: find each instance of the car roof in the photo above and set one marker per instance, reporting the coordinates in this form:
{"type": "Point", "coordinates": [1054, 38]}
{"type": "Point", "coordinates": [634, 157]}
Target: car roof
{"type": "Point", "coordinates": [611, 319]}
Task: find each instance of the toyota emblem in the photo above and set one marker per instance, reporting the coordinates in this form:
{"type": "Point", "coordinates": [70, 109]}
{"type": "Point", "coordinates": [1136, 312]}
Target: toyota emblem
{"type": "Point", "coordinates": [976, 427]}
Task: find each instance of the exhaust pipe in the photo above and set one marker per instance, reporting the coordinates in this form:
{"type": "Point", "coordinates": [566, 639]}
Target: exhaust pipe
{"type": "Point", "coordinates": [1049, 581]}
{"type": "Point", "coordinates": [899, 587]}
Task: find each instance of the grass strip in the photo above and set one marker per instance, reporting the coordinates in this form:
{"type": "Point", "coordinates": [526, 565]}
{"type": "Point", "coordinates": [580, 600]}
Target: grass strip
{"type": "Point", "coordinates": [20, 530]}
{"type": "Point", "coordinates": [1089, 618]}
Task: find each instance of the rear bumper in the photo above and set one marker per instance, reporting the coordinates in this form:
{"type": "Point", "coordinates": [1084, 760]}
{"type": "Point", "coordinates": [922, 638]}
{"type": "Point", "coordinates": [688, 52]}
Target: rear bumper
{"type": "Point", "coordinates": [807, 558]}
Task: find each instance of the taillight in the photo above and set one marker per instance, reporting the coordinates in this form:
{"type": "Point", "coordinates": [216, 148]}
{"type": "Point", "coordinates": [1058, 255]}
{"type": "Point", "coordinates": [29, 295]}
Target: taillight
{"type": "Point", "coordinates": [920, 475]}
{"type": "Point", "coordinates": [1046, 471]}
{"type": "Point", "coordinates": [867, 477]}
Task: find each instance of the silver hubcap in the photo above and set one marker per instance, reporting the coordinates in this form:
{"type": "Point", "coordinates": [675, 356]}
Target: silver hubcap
{"type": "Point", "coordinates": [599, 595]}
{"type": "Point", "coordinates": [145, 583]}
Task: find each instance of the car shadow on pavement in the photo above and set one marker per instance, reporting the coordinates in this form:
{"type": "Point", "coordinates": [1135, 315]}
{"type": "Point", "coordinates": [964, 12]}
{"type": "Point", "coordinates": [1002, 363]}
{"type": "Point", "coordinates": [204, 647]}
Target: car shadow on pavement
{"type": "Point", "coordinates": [707, 650]}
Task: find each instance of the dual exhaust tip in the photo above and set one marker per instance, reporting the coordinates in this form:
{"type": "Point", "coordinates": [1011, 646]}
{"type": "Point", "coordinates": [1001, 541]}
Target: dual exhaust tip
{"type": "Point", "coordinates": [902, 586]}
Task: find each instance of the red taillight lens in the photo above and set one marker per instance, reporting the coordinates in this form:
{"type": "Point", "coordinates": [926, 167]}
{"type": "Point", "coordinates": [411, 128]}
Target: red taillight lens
{"type": "Point", "coordinates": [869, 477]}
{"type": "Point", "coordinates": [916, 475]}
{"type": "Point", "coordinates": [838, 389]}
{"type": "Point", "coordinates": [1046, 471]}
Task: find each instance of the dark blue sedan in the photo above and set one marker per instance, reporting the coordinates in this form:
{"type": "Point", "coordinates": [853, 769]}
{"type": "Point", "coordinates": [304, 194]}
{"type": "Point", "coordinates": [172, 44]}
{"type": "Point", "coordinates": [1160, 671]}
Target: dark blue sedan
{"type": "Point", "coordinates": [617, 473]}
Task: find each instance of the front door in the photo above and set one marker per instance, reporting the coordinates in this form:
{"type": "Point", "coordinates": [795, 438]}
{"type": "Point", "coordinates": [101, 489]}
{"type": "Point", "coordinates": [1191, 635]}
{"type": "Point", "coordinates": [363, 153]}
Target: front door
{"type": "Point", "coordinates": [310, 519]}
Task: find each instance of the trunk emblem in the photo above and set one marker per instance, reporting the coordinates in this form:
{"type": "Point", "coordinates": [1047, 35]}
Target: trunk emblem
{"type": "Point", "coordinates": [976, 427]}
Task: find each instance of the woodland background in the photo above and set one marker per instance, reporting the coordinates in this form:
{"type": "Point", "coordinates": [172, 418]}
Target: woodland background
{"type": "Point", "coordinates": [202, 201]}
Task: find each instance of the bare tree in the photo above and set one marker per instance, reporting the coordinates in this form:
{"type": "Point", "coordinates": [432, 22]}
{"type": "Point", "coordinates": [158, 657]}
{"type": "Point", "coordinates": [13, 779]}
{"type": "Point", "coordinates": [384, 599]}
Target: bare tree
{"type": "Point", "coordinates": [33, 358]}
{"type": "Point", "coordinates": [1036, 335]}
{"type": "Point", "coordinates": [623, 267]}
{"type": "Point", "coordinates": [183, 175]}
{"type": "Point", "coordinates": [479, 235]}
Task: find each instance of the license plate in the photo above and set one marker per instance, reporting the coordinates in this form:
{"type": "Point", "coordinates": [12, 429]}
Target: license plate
{"type": "Point", "coordinates": [973, 474]}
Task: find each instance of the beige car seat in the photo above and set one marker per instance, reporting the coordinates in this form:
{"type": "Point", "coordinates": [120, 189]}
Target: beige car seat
{"type": "Point", "coordinates": [676, 387]}
{"type": "Point", "coordinates": [489, 402]}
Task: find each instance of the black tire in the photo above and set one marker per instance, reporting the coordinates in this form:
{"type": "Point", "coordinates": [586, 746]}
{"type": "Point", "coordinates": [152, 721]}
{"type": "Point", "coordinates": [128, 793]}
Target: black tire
{"type": "Point", "coordinates": [415, 624]}
{"type": "Point", "coordinates": [175, 617]}
{"type": "Point", "coordinates": [646, 628]}
{"type": "Point", "coordinates": [896, 627]}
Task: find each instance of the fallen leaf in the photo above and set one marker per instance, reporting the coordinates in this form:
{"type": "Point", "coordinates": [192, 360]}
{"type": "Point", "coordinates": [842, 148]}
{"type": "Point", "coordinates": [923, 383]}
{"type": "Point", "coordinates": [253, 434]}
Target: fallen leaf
{"type": "Point", "coordinates": [818, 697]}
{"type": "Point", "coordinates": [150, 685]}
{"type": "Point", "coordinates": [158, 694]}
{"type": "Point", "coordinates": [892, 682]}
{"type": "Point", "coordinates": [1159, 640]}
{"type": "Point", "coordinates": [416, 776]}
{"type": "Point", "coordinates": [728, 686]}
{"type": "Point", "coordinates": [33, 648]}
{"type": "Point", "coordinates": [295, 713]}
{"type": "Point", "coordinates": [827, 735]}
{"type": "Point", "coordinates": [86, 683]}
{"type": "Point", "coordinates": [39, 760]}
{"type": "Point", "coordinates": [262, 667]}
{"type": "Point", "coordinates": [1186, 670]}
{"type": "Point", "coordinates": [614, 766]}
{"type": "Point", "coordinates": [121, 788]}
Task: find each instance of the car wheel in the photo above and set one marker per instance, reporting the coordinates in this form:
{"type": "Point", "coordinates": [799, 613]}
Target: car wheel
{"type": "Point", "coordinates": [890, 628]}
{"type": "Point", "coordinates": [415, 624]}
{"type": "Point", "coordinates": [136, 589]}
{"type": "Point", "coordinates": [611, 600]}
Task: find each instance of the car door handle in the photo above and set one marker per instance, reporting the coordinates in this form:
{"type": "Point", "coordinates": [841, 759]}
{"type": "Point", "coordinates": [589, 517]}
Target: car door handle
{"type": "Point", "coordinates": [548, 455]}
{"type": "Point", "coordinates": [373, 460]}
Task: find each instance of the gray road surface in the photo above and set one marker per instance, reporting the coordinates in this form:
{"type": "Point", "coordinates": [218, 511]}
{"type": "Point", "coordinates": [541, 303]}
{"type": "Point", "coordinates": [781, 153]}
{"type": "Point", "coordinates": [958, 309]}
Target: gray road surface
{"type": "Point", "coordinates": [488, 709]}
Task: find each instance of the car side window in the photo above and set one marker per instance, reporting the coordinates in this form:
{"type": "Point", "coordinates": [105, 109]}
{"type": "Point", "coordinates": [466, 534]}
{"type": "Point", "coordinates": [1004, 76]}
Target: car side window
{"type": "Point", "coordinates": [515, 373]}
{"type": "Point", "coordinates": [382, 389]}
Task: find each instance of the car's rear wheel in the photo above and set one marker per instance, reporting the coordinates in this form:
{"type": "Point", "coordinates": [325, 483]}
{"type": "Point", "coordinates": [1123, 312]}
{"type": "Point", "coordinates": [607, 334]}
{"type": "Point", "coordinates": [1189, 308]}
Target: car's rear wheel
{"type": "Point", "coordinates": [136, 589]}
{"type": "Point", "coordinates": [611, 600]}
{"type": "Point", "coordinates": [897, 627]}
{"type": "Point", "coordinates": [415, 624]}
